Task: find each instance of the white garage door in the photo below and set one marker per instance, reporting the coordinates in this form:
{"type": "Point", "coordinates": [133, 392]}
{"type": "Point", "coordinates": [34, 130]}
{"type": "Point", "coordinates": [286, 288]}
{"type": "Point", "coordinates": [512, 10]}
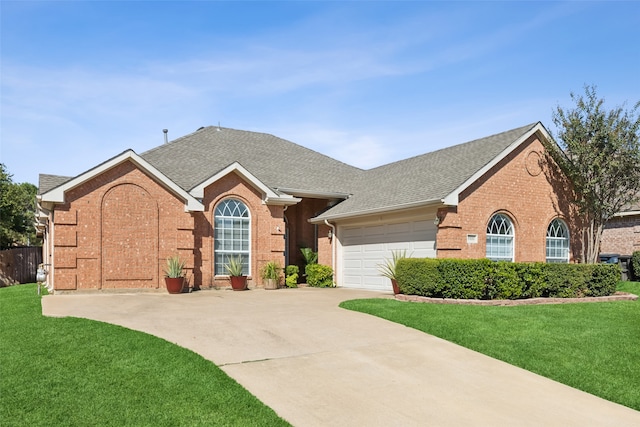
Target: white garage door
{"type": "Point", "coordinates": [364, 248]}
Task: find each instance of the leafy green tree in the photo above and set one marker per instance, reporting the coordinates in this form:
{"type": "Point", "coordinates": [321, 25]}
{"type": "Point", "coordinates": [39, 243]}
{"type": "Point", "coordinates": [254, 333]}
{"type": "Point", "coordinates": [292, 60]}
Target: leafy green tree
{"type": "Point", "coordinates": [17, 211]}
{"type": "Point", "coordinates": [599, 150]}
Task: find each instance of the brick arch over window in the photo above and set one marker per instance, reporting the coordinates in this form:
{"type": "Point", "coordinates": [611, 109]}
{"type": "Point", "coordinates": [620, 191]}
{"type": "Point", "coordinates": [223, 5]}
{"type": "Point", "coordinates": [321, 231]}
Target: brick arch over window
{"type": "Point", "coordinates": [232, 234]}
{"type": "Point", "coordinates": [129, 238]}
{"type": "Point", "coordinates": [500, 238]}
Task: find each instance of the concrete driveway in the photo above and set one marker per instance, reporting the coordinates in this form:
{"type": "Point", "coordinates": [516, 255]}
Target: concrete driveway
{"type": "Point", "coordinates": [318, 365]}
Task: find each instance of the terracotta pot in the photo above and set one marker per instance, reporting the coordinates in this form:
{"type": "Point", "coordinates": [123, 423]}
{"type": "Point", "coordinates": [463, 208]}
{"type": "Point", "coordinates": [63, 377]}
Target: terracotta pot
{"type": "Point", "coordinates": [239, 283]}
{"type": "Point", "coordinates": [174, 284]}
{"type": "Point", "coordinates": [271, 283]}
{"type": "Point", "coordinates": [396, 289]}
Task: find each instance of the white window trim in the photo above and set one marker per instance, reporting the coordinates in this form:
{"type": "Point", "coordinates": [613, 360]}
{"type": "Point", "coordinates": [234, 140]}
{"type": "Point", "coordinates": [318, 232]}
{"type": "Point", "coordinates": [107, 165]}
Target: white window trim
{"type": "Point", "coordinates": [512, 235]}
{"type": "Point", "coordinates": [568, 240]}
{"type": "Point", "coordinates": [248, 253]}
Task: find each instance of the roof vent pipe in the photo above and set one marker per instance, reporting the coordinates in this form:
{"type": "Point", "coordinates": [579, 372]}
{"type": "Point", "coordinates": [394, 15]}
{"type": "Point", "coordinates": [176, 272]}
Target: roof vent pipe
{"type": "Point", "coordinates": [166, 131]}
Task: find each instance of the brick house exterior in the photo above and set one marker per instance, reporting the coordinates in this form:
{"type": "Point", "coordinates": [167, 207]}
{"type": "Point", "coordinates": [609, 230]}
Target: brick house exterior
{"type": "Point", "coordinates": [522, 186]}
{"type": "Point", "coordinates": [621, 234]}
{"type": "Point", "coordinates": [114, 226]}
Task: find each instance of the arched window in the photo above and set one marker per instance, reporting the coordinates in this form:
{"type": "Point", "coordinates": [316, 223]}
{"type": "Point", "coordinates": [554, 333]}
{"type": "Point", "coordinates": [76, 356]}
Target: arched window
{"type": "Point", "coordinates": [500, 238]}
{"type": "Point", "coordinates": [557, 241]}
{"type": "Point", "coordinates": [232, 235]}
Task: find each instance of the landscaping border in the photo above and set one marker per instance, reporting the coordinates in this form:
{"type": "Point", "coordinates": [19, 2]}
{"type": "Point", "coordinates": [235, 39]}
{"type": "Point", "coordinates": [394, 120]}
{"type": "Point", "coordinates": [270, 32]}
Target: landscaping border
{"type": "Point", "coordinates": [618, 296]}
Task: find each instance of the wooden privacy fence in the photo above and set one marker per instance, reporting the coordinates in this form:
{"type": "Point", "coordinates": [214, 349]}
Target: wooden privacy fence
{"type": "Point", "coordinates": [19, 265]}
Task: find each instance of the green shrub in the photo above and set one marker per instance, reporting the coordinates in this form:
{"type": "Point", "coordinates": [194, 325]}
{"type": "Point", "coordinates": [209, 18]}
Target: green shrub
{"type": "Point", "coordinates": [635, 266]}
{"type": "Point", "coordinates": [291, 276]}
{"type": "Point", "coordinates": [561, 282]}
{"type": "Point", "coordinates": [531, 276]}
{"type": "Point", "coordinates": [319, 276]}
{"type": "Point", "coordinates": [505, 282]}
{"type": "Point", "coordinates": [419, 276]}
{"type": "Point", "coordinates": [604, 280]}
{"type": "Point", "coordinates": [465, 278]}
{"type": "Point", "coordinates": [310, 257]}
{"type": "Point", "coordinates": [485, 279]}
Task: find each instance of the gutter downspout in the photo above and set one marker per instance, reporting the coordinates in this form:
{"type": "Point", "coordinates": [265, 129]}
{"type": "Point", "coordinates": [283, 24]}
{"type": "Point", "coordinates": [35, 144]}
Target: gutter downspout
{"type": "Point", "coordinates": [333, 246]}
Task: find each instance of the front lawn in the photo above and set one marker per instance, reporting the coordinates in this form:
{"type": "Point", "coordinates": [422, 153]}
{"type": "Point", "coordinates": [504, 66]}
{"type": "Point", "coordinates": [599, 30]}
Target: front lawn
{"type": "Point", "coordinates": [68, 371]}
{"type": "Point", "coordinates": [594, 347]}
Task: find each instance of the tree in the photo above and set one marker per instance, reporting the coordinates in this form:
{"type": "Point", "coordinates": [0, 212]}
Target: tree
{"type": "Point", "coordinates": [599, 151]}
{"type": "Point", "coordinates": [17, 211]}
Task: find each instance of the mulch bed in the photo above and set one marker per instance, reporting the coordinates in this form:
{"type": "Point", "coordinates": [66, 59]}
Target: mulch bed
{"type": "Point", "coordinates": [618, 296]}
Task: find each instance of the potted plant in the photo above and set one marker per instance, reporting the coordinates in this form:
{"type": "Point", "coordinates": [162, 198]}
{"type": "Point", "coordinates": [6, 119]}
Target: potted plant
{"type": "Point", "coordinates": [174, 274]}
{"type": "Point", "coordinates": [271, 275]}
{"type": "Point", "coordinates": [235, 269]}
{"type": "Point", "coordinates": [388, 269]}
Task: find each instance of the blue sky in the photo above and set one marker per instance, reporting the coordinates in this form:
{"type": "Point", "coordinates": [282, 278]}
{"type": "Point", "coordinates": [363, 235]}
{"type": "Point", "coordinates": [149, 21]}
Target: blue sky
{"type": "Point", "coordinates": [364, 82]}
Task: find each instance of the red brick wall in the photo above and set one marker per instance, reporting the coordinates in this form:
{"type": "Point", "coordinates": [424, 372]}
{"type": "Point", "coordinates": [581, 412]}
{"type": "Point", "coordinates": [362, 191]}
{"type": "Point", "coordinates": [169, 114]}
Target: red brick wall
{"type": "Point", "coordinates": [267, 231]}
{"type": "Point", "coordinates": [524, 187]}
{"type": "Point", "coordinates": [621, 235]}
{"type": "Point", "coordinates": [117, 230]}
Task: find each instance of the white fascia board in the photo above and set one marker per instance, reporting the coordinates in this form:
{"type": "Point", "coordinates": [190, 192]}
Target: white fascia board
{"type": "Point", "coordinates": [452, 198]}
{"type": "Point", "coordinates": [56, 195]}
{"type": "Point", "coordinates": [386, 209]}
{"type": "Point", "coordinates": [627, 213]}
{"type": "Point", "coordinates": [285, 200]}
{"type": "Point", "coordinates": [314, 194]}
{"type": "Point", "coordinates": [269, 196]}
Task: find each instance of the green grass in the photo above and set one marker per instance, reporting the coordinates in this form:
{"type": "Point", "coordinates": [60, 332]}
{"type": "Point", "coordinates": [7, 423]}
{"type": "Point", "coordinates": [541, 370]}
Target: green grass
{"type": "Point", "coordinates": [67, 371]}
{"type": "Point", "coordinates": [594, 347]}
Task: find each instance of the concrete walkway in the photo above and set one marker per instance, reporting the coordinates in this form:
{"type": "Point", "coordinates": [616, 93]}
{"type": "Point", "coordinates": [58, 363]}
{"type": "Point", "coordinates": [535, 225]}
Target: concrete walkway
{"type": "Point", "coordinates": [318, 365]}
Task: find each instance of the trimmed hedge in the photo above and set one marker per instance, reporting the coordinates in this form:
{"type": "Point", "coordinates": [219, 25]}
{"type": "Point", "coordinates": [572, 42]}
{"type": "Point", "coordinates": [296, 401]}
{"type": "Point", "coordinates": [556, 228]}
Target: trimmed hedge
{"type": "Point", "coordinates": [485, 279]}
{"type": "Point", "coordinates": [635, 266]}
{"type": "Point", "coordinates": [319, 276]}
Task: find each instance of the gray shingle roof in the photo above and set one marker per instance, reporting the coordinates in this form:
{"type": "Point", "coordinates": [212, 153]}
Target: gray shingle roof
{"type": "Point", "coordinates": [281, 164]}
{"type": "Point", "coordinates": [276, 162]}
{"type": "Point", "coordinates": [424, 178]}
{"type": "Point", "coordinates": [49, 182]}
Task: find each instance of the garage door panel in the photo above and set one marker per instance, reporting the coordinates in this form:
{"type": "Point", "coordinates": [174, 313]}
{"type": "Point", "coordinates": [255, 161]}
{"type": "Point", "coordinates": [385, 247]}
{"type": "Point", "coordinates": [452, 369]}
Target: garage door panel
{"type": "Point", "coordinates": [353, 263]}
{"type": "Point", "coordinates": [373, 247]}
{"type": "Point", "coordinates": [365, 248]}
{"type": "Point", "coordinates": [354, 248]}
{"type": "Point", "coordinates": [429, 245]}
{"type": "Point", "coordinates": [354, 280]}
{"type": "Point", "coordinates": [371, 263]}
{"type": "Point", "coordinates": [374, 281]}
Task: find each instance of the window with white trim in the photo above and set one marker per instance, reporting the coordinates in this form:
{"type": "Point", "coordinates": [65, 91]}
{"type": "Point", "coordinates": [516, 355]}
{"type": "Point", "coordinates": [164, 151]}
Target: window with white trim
{"type": "Point", "coordinates": [557, 242]}
{"type": "Point", "coordinates": [500, 238]}
{"type": "Point", "coordinates": [232, 235]}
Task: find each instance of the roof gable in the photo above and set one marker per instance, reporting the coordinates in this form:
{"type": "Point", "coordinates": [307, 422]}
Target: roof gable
{"type": "Point", "coordinates": [269, 196]}
{"type": "Point", "coordinates": [431, 178]}
{"type": "Point", "coordinates": [275, 162]}
{"type": "Point", "coordinates": [452, 198]}
{"type": "Point", "coordinates": [57, 194]}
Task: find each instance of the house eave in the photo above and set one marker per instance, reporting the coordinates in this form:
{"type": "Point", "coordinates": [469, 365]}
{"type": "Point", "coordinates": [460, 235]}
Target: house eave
{"type": "Point", "coordinates": [627, 213]}
{"type": "Point", "coordinates": [296, 192]}
{"type": "Point", "coordinates": [282, 201]}
{"type": "Point", "coordinates": [366, 212]}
